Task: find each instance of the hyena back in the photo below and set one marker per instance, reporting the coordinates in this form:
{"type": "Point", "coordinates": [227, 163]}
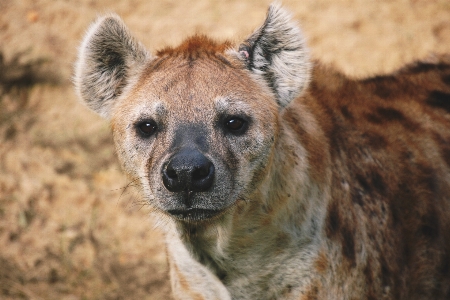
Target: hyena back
{"type": "Point", "coordinates": [275, 177]}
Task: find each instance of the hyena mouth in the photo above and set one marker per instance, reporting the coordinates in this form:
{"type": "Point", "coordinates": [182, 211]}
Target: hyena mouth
{"type": "Point", "coordinates": [194, 214]}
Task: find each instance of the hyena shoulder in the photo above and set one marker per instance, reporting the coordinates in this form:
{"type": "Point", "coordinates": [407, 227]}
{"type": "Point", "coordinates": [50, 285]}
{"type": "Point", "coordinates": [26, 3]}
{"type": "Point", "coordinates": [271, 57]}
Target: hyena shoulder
{"type": "Point", "coordinates": [389, 143]}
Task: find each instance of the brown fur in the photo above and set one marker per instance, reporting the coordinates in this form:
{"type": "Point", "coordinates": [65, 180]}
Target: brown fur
{"type": "Point", "coordinates": [391, 184]}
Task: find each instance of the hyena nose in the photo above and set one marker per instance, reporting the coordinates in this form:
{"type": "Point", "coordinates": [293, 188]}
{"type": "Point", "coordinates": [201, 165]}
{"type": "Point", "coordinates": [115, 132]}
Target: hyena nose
{"type": "Point", "coordinates": [188, 170]}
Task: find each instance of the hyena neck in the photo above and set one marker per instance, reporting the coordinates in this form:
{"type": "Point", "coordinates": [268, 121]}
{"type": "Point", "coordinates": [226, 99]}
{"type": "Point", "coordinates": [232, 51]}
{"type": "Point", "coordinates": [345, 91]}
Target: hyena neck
{"type": "Point", "coordinates": [295, 199]}
{"type": "Point", "coordinates": [283, 215]}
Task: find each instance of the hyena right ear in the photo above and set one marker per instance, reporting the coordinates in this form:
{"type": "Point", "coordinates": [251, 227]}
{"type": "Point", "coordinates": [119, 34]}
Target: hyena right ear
{"type": "Point", "coordinates": [107, 58]}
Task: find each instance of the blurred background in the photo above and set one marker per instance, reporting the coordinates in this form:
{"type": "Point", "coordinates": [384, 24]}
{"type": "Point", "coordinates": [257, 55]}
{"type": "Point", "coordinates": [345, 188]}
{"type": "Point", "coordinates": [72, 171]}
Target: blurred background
{"type": "Point", "coordinates": [71, 225]}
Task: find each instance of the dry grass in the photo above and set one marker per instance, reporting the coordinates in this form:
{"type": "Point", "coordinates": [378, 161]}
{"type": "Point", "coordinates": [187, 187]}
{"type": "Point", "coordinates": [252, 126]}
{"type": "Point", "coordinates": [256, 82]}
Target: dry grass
{"type": "Point", "coordinates": [69, 227]}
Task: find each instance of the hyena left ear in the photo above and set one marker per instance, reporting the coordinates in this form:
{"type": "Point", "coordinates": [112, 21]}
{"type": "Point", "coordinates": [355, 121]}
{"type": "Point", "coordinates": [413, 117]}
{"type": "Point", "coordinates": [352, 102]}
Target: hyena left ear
{"type": "Point", "coordinates": [276, 53]}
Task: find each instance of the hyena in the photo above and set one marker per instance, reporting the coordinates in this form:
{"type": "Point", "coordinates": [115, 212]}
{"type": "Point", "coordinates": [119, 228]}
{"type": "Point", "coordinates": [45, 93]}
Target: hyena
{"type": "Point", "coordinates": [274, 176]}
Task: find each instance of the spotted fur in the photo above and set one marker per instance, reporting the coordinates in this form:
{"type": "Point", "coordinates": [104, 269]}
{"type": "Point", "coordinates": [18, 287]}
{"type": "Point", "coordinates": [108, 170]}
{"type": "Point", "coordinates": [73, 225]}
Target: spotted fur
{"type": "Point", "coordinates": [336, 189]}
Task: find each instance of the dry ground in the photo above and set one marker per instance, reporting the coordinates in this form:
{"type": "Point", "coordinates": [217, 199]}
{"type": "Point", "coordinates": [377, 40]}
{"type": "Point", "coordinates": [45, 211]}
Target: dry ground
{"type": "Point", "coordinates": [69, 227]}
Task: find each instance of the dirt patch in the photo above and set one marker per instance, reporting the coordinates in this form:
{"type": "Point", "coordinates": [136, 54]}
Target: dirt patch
{"type": "Point", "coordinates": [71, 224]}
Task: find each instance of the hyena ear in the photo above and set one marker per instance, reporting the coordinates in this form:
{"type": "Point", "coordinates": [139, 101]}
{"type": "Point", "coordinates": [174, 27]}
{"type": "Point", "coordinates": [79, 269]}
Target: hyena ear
{"type": "Point", "coordinates": [107, 60]}
{"type": "Point", "coordinates": [276, 53]}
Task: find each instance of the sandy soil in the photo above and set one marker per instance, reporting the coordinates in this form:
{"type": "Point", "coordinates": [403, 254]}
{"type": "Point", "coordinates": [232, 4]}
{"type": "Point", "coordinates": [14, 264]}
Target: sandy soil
{"type": "Point", "coordinates": [71, 224]}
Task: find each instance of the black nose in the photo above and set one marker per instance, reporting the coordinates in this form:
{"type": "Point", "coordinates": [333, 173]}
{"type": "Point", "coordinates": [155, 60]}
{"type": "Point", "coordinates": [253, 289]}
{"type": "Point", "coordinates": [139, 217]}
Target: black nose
{"type": "Point", "coordinates": [188, 170]}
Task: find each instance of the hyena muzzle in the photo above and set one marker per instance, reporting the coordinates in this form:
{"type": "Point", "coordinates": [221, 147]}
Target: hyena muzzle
{"type": "Point", "coordinates": [274, 177]}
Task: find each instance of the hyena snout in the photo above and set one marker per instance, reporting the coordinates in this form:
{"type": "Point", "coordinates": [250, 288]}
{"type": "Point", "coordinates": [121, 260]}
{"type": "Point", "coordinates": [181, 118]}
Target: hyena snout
{"type": "Point", "coordinates": [188, 170]}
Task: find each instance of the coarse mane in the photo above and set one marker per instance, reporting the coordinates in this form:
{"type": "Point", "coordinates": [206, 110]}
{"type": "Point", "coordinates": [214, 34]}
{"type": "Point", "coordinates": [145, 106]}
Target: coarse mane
{"type": "Point", "coordinates": [196, 46]}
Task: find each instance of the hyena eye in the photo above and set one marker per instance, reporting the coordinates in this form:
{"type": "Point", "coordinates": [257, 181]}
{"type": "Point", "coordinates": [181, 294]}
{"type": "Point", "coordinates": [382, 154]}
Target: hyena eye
{"type": "Point", "coordinates": [146, 128]}
{"type": "Point", "coordinates": [236, 125]}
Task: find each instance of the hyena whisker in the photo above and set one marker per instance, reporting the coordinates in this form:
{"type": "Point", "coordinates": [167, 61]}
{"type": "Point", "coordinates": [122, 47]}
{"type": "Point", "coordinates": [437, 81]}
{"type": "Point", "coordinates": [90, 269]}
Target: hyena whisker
{"type": "Point", "coordinates": [161, 220]}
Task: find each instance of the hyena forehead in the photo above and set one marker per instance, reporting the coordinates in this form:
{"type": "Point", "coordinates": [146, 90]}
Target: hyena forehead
{"type": "Point", "coordinates": [196, 89]}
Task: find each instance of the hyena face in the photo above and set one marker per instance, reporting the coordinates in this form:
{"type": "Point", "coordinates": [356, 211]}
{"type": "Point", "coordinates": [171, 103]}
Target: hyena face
{"type": "Point", "coordinates": [196, 124]}
{"type": "Point", "coordinates": [197, 134]}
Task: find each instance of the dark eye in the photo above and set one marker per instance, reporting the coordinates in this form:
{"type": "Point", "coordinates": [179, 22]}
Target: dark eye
{"type": "Point", "coordinates": [236, 125]}
{"type": "Point", "coordinates": [146, 128]}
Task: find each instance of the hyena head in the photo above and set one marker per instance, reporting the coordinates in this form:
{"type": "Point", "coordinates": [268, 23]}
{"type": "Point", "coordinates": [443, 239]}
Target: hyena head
{"type": "Point", "coordinates": [196, 124]}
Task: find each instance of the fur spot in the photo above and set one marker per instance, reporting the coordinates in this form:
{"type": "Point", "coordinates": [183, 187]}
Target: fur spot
{"type": "Point", "coordinates": [333, 220]}
{"type": "Point", "coordinates": [311, 294]}
{"type": "Point", "coordinates": [321, 263]}
{"type": "Point", "coordinates": [445, 265]}
{"type": "Point", "coordinates": [372, 183]}
{"type": "Point", "coordinates": [390, 114]}
{"type": "Point", "coordinates": [287, 290]}
{"type": "Point", "coordinates": [348, 245]}
{"type": "Point", "coordinates": [423, 67]}
{"type": "Point", "coordinates": [383, 115]}
{"type": "Point", "coordinates": [282, 240]}
{"type": "Point", "coordinates": [446, 154]}
{"type": "Point", "coordinates": [375, 141]}
{"type": "Point", "coordinates": [446, 79]}
{"type": "Point", "coordinates": [401, 203]}
{"type": "Point", "coordinates": [368, 274]}
{"type": "Point", "coordinates": [384, 92]}
{"type": "Point", "coordinates": [378, 182]}
{"type": "Point", "coordinates": [363, 183]}
{"type": "Point", "coordinates": [427, 179]}
{"type": "Point", "coordinates": [373, 118]}
{"type": "Point", "coordinates": [439, 99]}
{"type": "Point", "coordinates": [430, 227]}
{"type": "Point", "coordinates": [385, 272]}
{"type": "Point", "coordinates": [444, 143]}
{"type": "Point", "coordinates": [346, 113]}
{"type": "Point", "coordinates": [385, 87]}
{"type": "Point", "coordinates": [357, 197]}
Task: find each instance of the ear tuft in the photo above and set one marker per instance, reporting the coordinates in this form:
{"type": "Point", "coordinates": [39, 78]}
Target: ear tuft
{"type": "Point", "coordinates": [107, 58]}
{"type": "Point", "coordinates": [276, 53]}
